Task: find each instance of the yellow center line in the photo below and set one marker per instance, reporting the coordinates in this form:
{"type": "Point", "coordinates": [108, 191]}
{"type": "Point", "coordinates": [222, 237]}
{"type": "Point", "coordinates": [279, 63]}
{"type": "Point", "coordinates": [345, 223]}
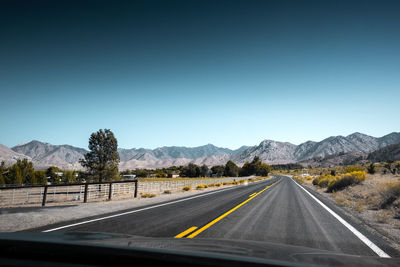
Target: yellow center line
{"type": "Point", "coordinates": [252, 194]}
{"type": "Point", "coordinates": [188, 231]}
{"type": "Point", "coordinates": [227, 213]}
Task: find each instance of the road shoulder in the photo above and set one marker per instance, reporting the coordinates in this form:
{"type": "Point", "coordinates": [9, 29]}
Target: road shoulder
{"type": "Point", "coordinates": [386, 244]}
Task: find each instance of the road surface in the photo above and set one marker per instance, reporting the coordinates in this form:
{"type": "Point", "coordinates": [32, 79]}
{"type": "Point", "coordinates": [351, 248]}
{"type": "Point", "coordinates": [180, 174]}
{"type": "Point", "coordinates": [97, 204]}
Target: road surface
{"type": "Point", "coordinates": [275, 210]}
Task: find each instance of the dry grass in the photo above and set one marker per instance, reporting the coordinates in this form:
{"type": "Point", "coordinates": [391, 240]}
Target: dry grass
{"type": "Point", "coordinates": [376, 200]}
{"type": "Point", "coordinates": [371, 192]}
{"type": "Point", "coordinates": [389, 193]}
{"type": "Point", "coordinates": [298, 179]}
{"type": "Point", "coordinates": [147, 195]}
{"type": "Point", "coordinates": [382, 216]}
{"type": "Point", "coordinates": [340, 181]}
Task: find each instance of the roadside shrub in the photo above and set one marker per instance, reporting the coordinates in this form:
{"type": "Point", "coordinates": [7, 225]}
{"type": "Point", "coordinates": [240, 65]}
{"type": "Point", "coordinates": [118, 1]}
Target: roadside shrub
{"type": "Point", "coordinates": [371, 169]}
{"type": "Point", "coordinates": [308, 178]}
{"type": "Point", "coordinates": [167, 192]}
{"type": "Point", "coordinates": [201, 186]}
{"type": "Point", "coordinates": [148, 195]}
{"type": "Point", "coordinates": [353, 169]}
{"type": "Point", "coordinates": [389, 193]}
{"type": "Point", "coordinates": [298, 179]}
{"type": "Point", "coordinates": [323, 180]}
{"type": "Point", "coordinates": [211, 185]}
{"type": "Point", "coordinates": [234, 182]}
{"type": "Point", "coordinates": [345, 180]}
{"type": "Point", "coordinates": [186, 188]}
{"type": "Point", "coordinates": [217, 184]}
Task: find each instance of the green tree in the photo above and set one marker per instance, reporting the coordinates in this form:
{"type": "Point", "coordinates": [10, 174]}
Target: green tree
{"type": "Point", "coordinates": [191, 170]}
{"type": "Point", "coordinates": [3, 172]}
{"type": "Point", "coordinates": [231, 169]}
{"type": "Point", "coordinates": [27, 171]}
{"type": "Point", "coordinates": [14, 175]}
{"type": "Point", "coordinates": [263, 169]}
{"type": "Point", "coordinates": [102, 160]}
{"type": "Point", "coordinates": [68, 177]}
{"type": "Point", "coordinates": [204, 171]}
{"type": "Point", "coordinates": [40, 177]}
{"type": "Point", "coordinates": [53, 174]}
{"type": "Point", "coordinates": [160, 173]}
{"type": "Point", "coordinates": [246, 169]}
{"type": "Point", "coordinates": [218, 170]}
{"type": "Point", "coordinates": [256, 167]}
{"type": "Point", "coordinates": [141, 172]}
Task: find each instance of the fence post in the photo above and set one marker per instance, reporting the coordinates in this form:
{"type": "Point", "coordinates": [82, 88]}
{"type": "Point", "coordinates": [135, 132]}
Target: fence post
{"type": "Point", "coordinates": [44, 196]}
{"type": "Point", "coordinates": [136, 187]}
{"type": "Point", "coordinates": [85, 193]}
{"type": "Point", "coordinates": [27, 195]}
{"type": "Point", "coordinates": [110, 192]}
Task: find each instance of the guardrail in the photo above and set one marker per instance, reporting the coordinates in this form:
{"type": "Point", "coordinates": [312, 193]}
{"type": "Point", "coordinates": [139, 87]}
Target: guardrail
{"type": "Point", "coordinates": [66, 192]}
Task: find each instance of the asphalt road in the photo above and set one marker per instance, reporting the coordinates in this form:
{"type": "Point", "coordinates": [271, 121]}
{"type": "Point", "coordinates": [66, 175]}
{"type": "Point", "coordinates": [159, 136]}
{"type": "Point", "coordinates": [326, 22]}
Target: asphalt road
{"type": "Point", "coordinates": [275, 210]}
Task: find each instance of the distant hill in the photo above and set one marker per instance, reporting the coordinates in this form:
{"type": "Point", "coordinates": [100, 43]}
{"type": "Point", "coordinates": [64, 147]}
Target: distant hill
{"type": "Point", "coordinates": [339, 144]}
{"type": "Point", "coordinates": [269, 151]}
{"type": "Point", "coordinates": [175, 152]}
{"type": "Point", "coordinates": [44, 155]}
{"type": "Point", "coordinates": [338, 149]}
{"type": "Point", "coordinates": [388, 153]}
{"type": "Point", "coordinates": [9, 156]}
{"type": "Point", "coordinates": [330, 151]}
{"type": "Point", "coordinates": [349, 158]}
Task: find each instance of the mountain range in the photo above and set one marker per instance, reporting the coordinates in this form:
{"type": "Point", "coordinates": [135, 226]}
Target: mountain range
{"type": "Point", "coordinates": [330, 151]}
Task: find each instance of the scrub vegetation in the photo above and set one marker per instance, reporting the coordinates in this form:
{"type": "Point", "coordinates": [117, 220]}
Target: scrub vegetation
{"type": "Point", "coordinates": [369, 191]}
{"type": "Point", "coordinates": [147, 195]}
{"type": "Point", "coordinates": [339, 182]}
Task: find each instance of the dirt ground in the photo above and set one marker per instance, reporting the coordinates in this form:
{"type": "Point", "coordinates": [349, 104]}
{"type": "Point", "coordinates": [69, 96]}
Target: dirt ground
{"type": "Point", "coordinates": [364, 201]}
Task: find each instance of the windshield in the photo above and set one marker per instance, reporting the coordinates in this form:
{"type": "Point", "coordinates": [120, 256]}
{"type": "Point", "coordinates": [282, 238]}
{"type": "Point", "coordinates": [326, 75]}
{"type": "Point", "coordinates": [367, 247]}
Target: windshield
{"type": "Point", "coordinates": [258, 129]}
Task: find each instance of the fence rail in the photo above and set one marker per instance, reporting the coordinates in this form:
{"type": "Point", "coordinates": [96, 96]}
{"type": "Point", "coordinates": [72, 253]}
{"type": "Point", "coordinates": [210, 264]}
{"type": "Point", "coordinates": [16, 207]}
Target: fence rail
{"type": "Point", "coordinates": [177, 185]}
{"type": "Point", "coordinates": [67, 192]}
{"type": "Point", "coordinates": [84, 192]}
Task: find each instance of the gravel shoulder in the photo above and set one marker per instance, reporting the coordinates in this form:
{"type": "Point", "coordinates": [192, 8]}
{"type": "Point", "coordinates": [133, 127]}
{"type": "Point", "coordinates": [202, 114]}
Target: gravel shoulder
{"type": "Point", "coordinates": [354, 202]}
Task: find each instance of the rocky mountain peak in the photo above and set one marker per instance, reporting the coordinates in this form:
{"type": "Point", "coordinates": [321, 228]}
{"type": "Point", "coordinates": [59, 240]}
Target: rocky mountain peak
{"type": "Point", "coordinates": [273, 152]}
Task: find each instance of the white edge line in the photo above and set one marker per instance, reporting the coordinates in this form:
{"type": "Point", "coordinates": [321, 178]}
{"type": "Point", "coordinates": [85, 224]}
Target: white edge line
{"type": "Point", "coordinates": [134, 211]}
{"type": "Point", "coordinates": [362, 237]}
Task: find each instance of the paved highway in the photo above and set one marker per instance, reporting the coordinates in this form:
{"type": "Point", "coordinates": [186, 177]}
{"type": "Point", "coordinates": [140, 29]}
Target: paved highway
{"type": "Point", "coordinates": [275, 210]}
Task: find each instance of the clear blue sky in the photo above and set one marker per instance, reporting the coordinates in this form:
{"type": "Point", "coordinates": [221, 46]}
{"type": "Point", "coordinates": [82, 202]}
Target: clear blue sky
{"type": "Point", "coordinates": [188, 73]}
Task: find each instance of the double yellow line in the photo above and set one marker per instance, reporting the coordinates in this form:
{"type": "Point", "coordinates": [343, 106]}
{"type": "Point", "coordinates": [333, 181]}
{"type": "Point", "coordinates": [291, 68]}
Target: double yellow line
{"type": "Point", "coordinates": [195, 232]}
